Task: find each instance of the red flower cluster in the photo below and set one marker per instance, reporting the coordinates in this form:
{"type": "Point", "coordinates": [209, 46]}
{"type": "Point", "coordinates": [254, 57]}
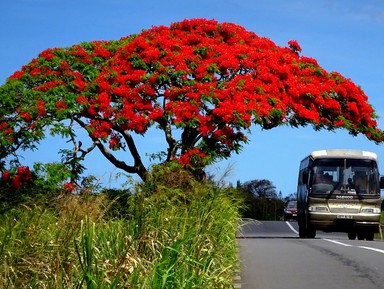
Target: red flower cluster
{"type": "Point", "coordinates": [23, 175]}
{"type": "Point", "coordinates": [69, 187]}
{"type": "Point", "coordinates": [114, 142]}
{"type": "Point", "coordinates": [193, 157]}
{"type": "Point", "coordinates": [294, 45]}
{"type": "Point", "coordinates": [100, 50]}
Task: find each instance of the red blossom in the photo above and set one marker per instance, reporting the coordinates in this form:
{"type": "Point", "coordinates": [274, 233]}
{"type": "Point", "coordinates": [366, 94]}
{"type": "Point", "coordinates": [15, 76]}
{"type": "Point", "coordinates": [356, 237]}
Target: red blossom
{"type": "Point", "coordinates": [17, 75]}
{"type": "Point", "coordinates": [47, 54]}
{"type": "Point", "coordinates": [81, 54]}
{"type": "Point", "coordinates": [48, 85]}
{"type": "Point", "coordinates": [114, 142]}
{"type": "Point", "coordinates": [92, 111]}
{"type": "Point", "coordinates": [294, 45]}
{"type": "Point", "coordinates": [26, 116]}
{"type": "Point", "coordinates": [61, 105]}
{"type": "Point", "coordinates": [69, 187]}
{"type": "Point", "coordinates": [339, 122]}
{"type": "Point", "coordinates": [5, 175]}
{"type": "Point", "coordinates": [156, 114]}
{"type": "Point", "coordinates": [100, 51]}
{"type": "Point", "coordinates": [100, 129]}
{"type": "Point", "coordinates": [104, 86]}
{"type": "Point", "coordinates": [23, 175]}
{"type": "Point", "coordinates": [17, 182]}
{"type": "Point", "coordinates": [64, 65]}
{"type": "Point", "coordinates": [82, 100]}
{"type": "Point", "coordinates": [193, 157]}
{"type": "Point", "coordinates": [78, 81]}
{"type": "Point", "coordinates": [41, 108]}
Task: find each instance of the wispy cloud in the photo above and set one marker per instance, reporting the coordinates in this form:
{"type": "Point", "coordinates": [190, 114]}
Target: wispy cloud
{"type": "Point", "coordinates": [370, 9]}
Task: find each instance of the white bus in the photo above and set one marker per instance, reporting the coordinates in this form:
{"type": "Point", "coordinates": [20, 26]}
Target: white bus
{"type": "Point", "coordinates": [339, 191]}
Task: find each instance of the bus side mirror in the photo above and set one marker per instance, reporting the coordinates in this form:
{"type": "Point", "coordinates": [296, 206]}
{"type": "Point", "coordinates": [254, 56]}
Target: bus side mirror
{"type": "Point", "coordinates": [381, 182]}
{"type": "Point", "coordinates": [305, 177]}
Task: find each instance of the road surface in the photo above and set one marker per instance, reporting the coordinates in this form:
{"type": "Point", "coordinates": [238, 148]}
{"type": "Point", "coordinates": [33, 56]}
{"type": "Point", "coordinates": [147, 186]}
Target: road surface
{"type": "Point", "coordinates": [273, 257]}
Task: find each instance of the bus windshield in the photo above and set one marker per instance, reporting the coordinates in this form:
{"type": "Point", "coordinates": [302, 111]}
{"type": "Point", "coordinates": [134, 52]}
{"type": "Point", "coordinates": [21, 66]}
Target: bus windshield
{"type": "Point", "coordinates": [345, 176]}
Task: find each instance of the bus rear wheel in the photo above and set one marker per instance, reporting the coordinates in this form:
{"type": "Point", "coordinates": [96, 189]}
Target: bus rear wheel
{"type": "Point", "coordinates": [360, 236]}
{"type": "Point", "coordinates": [367, 235]}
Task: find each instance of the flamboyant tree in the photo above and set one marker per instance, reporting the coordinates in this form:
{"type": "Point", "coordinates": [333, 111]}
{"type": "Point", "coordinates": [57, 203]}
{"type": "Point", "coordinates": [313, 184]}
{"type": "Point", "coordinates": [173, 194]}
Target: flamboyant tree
{"type": "Point", "coordinates": [200, 82]}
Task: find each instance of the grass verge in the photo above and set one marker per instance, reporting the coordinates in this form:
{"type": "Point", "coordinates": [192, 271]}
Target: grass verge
{"type": "Point", "coordinates": [177, 233]}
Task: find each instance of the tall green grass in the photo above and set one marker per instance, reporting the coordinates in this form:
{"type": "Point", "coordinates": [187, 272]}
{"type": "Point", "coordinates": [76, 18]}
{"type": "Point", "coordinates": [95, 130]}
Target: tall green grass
{"type": "Point", "coordinates": [176, 233]}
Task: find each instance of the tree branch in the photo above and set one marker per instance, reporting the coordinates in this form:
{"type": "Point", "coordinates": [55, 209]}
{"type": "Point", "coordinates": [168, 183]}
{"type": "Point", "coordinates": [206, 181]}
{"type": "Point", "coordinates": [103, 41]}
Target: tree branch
{"type": "Point", "coordinates": [138, 167]}
{"type": "Point", "coordinates": [138, 164]}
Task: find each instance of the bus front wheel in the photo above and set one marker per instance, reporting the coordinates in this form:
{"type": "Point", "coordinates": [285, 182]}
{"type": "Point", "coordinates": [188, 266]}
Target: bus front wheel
{"type": "Point", "coordinates": [307, 232]}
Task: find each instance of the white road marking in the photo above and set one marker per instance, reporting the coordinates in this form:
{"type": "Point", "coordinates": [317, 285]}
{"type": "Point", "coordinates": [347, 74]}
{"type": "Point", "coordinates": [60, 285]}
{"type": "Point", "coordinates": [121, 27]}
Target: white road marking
{"type": "Point", "coordinates": [292, 228]}
{"type": "Point", "coordinates": [372, 249]}
{"type": "Point", "coordinates": [349, 245]}
{"type": "Point", "coordinates": [337, 242]}
{"type": "Point", "coordinates": [340, 243]}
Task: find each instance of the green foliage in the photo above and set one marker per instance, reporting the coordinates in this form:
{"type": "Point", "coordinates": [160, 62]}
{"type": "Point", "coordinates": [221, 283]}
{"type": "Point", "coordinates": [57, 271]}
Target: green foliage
{"type": "Point", "coordinates": [170, 232]}
{"type": "Point", "coordinates": [261, 200]}
{"type": "Point", "coordinates": [119, 203]}
{"type": "Point", "coordinates": [51, 175]}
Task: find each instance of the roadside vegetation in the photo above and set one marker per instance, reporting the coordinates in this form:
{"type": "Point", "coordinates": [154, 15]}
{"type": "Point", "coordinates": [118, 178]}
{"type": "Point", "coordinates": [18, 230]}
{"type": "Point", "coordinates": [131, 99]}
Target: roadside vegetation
{"type": "Point", "coordinates": [262, 201]}
{"type": "Point", "coordinates": [169, 232]}
{"type": "Point", "coordinates": [382, 222]}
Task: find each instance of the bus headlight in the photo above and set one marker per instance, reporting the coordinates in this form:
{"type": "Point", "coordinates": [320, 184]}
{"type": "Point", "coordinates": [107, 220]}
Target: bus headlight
{"type": "Point", "coordinates": [371, 210]}
{"type": "Point", "coordinates": [318, 209]}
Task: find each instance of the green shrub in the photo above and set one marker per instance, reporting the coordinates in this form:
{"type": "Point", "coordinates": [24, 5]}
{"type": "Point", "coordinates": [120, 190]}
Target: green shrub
{"type": "Point", "coordinates": [174, 232]}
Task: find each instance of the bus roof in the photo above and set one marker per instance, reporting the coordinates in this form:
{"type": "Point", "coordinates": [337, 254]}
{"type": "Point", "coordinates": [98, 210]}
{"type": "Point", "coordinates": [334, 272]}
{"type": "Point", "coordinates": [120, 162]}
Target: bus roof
{"type": "Point", "coordinates": [342, 153]}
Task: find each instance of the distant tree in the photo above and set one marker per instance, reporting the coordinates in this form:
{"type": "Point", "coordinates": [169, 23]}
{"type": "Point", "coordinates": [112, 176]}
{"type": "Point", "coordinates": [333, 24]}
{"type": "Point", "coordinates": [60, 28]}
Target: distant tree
{"type": "Point", "coordinates": [200, 82]}
{"type": "Point", "coordinates": [290, 197]}
{"type": "Point", "coordinates": [261, 189]}
{"type": "Point", "coordinates": [261, 199]}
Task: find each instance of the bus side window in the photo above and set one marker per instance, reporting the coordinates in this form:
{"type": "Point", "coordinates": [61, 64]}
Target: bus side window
{"type": "Point", "coordinates": [305, 176]}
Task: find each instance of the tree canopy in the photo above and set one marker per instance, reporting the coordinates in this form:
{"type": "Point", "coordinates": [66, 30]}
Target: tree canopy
{"type": "Point", "coordinates": [260, 188]}
{"type": "Point", "coordinates": [200, 82]}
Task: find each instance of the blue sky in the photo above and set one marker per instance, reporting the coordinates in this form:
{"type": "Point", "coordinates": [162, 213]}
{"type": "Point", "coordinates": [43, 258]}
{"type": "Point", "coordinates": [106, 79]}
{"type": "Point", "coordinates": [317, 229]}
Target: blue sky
{"type": "Point", "coordinates": [346, 36]}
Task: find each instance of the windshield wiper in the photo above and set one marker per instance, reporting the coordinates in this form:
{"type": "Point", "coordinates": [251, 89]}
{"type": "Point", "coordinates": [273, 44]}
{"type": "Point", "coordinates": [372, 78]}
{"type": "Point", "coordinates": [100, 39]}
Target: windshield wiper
{"type": "Point", "coordinates": [333, 190]}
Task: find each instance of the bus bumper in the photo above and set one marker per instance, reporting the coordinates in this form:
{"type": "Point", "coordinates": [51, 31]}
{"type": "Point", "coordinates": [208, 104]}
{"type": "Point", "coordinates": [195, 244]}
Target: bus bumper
{"type": "Point", "coordinates": [344, 222]}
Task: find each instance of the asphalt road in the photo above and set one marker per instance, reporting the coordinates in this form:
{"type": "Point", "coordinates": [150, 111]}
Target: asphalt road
{"type": "Point", "coordinates": [273, 257]}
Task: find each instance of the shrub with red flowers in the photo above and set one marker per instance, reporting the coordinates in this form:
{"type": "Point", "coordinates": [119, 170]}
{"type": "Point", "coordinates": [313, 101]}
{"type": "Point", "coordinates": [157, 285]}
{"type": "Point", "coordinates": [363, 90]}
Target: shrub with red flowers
{"type": "Point", "coordinates": [21, 176]}
{"type": "Point", "coordinates": [201, 82]}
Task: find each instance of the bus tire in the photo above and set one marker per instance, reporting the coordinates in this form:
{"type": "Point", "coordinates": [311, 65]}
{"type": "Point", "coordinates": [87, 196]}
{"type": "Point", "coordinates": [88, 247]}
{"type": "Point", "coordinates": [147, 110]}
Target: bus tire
{"type": "Point", "coordinates": [360, 236]}
{"type": "Point", "coordinates": [352, 235]}
{"type": "Point", "coordinates": [302, 232]}
{"type": "Point", "coordinates": [369, 235]}
{"type": "Point", "coordinates": [307, 232]}
{"type": "Point", "coordinates": [311, 233]}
